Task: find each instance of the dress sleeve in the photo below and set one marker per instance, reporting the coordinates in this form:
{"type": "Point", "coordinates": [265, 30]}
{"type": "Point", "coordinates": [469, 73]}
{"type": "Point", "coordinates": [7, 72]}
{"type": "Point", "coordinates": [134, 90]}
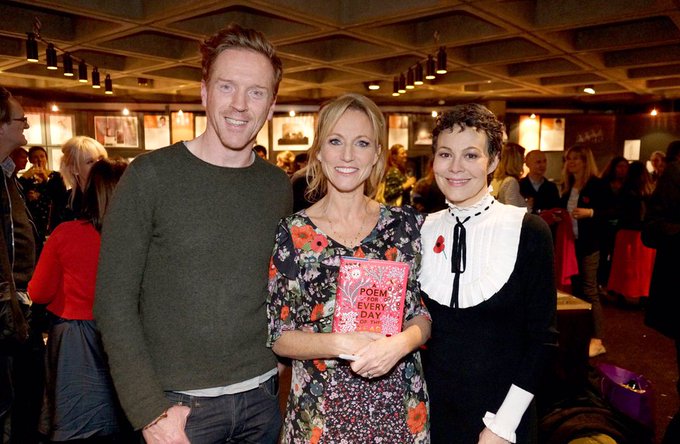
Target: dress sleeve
{"type": "Point", "coordinates": [49, 274]}
{"type": "Point", "coordinates": [540, 301]}
{"type": "Point", "coordinates": [284, 288]}
{"type": "Point", "coordinates": [410, 233]}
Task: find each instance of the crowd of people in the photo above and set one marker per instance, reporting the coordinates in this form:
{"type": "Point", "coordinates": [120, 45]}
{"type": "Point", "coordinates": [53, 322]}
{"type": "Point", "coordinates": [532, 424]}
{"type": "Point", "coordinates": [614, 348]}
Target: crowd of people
{"type": "Point", "coordinates": [173, 291]}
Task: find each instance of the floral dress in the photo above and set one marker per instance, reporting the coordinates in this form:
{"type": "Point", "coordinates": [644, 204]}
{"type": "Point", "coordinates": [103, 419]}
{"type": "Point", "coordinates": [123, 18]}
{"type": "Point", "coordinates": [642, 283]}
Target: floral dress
{"type": "Point", "coordinates": [328, 403]}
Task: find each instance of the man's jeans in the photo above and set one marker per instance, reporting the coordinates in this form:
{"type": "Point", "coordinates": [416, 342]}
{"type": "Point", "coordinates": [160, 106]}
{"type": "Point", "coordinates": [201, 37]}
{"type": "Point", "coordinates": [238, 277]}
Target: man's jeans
{"type": "Point", "coordinates": [248, 417]}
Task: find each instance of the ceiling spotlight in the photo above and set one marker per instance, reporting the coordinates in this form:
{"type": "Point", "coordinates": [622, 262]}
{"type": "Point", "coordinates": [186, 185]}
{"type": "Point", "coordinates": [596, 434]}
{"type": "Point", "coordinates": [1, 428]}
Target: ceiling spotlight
{"type": "Point", "coordinates": [68, 64]}
{"type": "Point", "coordinates": [373, 86]}
{"type": "Point", "coordinates": [409, 79]}
{"type": "Point", "coordinates": [95, 78]}
{"type": "Point", "coordinates": [654, 112]}
{"type": "Point", "coordinates": [395, 87]}
{"type": "Point", "coordinates": [419, 75]}
{"type": "Point", "coordinates": [402, 84]}
{"type": "Point", "coordinates": [54, 108]}
{"type": "Point", "coordinates": [430, 68]}
{"type": "Point", "coordinates": [108, 85]}
{"type": "Point", "coordinates": [291, 113]}
{"type": "Point", "coordinates": [590, 89]}
{"type": "Point", "coordinates": [82, 72]}
{"type": "Point", "coordinates": [434, 113]}
{"type": "Point", "coordinates": [126, 112]}
{"type": "Point", "coordinates": [51, 53]}
{"type": "Point", "coordinates": [441, 60]}
{"type": "Point", "coordinates": [31, 48]}
{"type": "Point", "coordinates": [532, 116]}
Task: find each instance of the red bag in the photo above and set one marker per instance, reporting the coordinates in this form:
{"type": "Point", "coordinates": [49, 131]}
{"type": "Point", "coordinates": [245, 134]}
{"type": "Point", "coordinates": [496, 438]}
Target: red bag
{"type": "Point", "coordinates": [628, 392]}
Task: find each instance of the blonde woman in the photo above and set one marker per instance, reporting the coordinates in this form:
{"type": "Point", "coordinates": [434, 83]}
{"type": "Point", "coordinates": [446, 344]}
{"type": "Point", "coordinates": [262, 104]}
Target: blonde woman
{"type": "Point", "coordinates": [79, 153]}
{"type": "Point", "coordinates": [380, 396]}
{"type": "Point", "coordinates": [505, 181]}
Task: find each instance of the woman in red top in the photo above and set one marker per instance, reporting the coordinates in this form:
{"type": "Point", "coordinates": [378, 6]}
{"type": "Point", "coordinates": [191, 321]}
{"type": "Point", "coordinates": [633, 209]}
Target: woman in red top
{"type": "Point", "coordinates": [81, 400]}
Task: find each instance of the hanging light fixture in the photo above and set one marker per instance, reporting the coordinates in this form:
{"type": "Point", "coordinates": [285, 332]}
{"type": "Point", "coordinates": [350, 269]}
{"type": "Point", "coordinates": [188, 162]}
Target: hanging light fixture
{"type": "Point", "coordinates": [51, 54]}
{"type": "Point", "coordinates": [68, 64]}
{"type": "Point", "coordinates": [402, 84]}
{"type": "Point", "coordinates": [31, 48]}
{"type": "Point", "coordinates": [409, 79]}
{"type": "Point", "coordinates": [654, 112]}
{"type": "Point", "coordinates": [374, 86]}
{"type": "Point", "coordinates": [429, 68]}
{"type": "Point", "coordinates": [82, 72]}
{"type": "Point", "coordinates": [395, 87]}
{"type": "Point", "coordinates": [95, 78]}
{"type": "Point", "coordinates": [55, 108]}
{"type": "Point", "coordinates": [108, 85]}
{"type": "Point", "coordinates": [441, 60]}
{"type": "Point", "coordinates": [125, 112]}
{"type": "Point", "coordinates": [418, 75]}
{"type": "Point", "coordinates": [589, 89]}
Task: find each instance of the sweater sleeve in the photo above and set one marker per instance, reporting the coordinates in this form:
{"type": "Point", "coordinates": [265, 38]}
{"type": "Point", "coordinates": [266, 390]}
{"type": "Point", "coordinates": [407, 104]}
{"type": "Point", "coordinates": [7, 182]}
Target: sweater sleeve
{"type": "Point", "coordinates": [49, 274]}
{"type": "Point", "coordinates": [126, 236]}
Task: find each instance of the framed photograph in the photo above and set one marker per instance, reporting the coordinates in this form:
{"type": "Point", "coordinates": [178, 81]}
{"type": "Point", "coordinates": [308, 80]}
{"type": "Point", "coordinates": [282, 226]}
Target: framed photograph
{"type": "Point", "coordinates": [422, 131]}
{"type": "Point", "coordinates": [182, 126]}
{"type": "Point", "coordinates": [293, 133]}
{"type": "Point", "coordinates": [116, 131]}
{"type": "Point", "coordinates": [61, 128]}
{"type": "Point", "coordinates": [398, 130]}
{"type": "Point", "coordinates": [156, 131]}
{"type": "Point", "coordinates": [552, 134]}
{"type": "Point", "coordinates": [34, 134]}
{"type": "Point", "coordinates": [263, 136]}
{"type": "Point", "coordinates": [200, 123]}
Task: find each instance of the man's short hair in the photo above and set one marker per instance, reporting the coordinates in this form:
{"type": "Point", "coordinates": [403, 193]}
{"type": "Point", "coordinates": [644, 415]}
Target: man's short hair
{"type": "Point", "coordinates": [236, 37]}
{"type": "Point", "coordinates": [5, 106]}
{"type": "Point", "coordinates": [475, 116]}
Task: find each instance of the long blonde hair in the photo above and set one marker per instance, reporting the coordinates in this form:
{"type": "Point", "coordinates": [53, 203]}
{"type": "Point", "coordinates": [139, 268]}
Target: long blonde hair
{"type": "Point", "coordinates": [74, 151]}
{"type": "Point", "coordinates": [328, 117]}
{"type": "Point", "coordinates": [511, 162]}
{"type": "Point", "coordinates": [589, 165]}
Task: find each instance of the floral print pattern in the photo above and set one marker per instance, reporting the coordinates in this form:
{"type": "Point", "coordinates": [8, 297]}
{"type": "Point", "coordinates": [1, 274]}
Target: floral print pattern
{"type": "Point", "coordinates": [328, 403]}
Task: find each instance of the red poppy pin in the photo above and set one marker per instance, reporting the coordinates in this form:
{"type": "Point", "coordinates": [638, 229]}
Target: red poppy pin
{"type": "Point", "coordinates": [439, 245]}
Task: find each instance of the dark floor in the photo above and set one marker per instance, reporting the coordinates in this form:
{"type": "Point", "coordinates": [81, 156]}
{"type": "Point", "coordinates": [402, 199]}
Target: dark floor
{"type": "Point", "coordinates": [632, 345]}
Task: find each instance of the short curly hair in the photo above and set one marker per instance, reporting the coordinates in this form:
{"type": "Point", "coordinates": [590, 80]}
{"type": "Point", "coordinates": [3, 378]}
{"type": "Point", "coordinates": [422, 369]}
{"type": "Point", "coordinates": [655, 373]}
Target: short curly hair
{"type": "Point", "coordinates": [475, 116]}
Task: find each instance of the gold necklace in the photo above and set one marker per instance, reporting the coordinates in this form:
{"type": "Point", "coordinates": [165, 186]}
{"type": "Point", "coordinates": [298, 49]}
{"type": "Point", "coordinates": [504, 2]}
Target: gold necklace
{"type": "Point", "coordinates": [355, 241]}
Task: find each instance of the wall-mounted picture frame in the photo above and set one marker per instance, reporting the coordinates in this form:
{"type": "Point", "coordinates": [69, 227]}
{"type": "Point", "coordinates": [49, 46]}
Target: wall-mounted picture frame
{"type": "Point", "coordinates": [397, 132]}
{"type": "Point", "coordinates": [117, 131]}
{"type": "Point", "coordinates": [61, 128]}
{"type": "Point", "coordinates": [182, 126]}
{"type": "Point", "coordinates": [293, 133]}
{"type": "Point", "coordinates": [34, 134]}
{"type": "Point", "coordinates": [54, 155]}
{"type": "Point", "coordinates": [156, 131]}
{"type": "Point", "coordinates": [552, 133]}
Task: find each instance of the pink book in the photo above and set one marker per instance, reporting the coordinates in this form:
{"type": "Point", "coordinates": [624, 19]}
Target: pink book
{"type": "Point", "coordinates": [370, 295]}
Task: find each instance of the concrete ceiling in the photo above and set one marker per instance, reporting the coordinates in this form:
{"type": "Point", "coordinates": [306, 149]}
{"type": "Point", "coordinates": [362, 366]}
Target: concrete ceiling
{"type": "Point", "coordinates": [513, 50]}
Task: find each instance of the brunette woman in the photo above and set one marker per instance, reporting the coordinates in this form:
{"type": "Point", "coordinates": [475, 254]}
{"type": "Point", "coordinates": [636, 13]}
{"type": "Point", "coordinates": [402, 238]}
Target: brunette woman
{"type": "Point", "coordinates": [398, 183]}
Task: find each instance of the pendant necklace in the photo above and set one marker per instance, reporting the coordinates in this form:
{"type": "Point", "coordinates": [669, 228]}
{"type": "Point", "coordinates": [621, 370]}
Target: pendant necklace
{"type": "Point", "coordinates": [355, 241]}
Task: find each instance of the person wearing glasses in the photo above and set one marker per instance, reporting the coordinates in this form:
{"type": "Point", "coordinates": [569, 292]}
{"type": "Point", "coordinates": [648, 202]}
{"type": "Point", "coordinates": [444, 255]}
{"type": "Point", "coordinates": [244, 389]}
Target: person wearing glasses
{"type": "Point", "coordinates": [21, 349]}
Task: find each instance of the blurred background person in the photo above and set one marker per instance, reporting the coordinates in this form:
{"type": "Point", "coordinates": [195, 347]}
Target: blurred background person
{"type": "Point", "coordinates": [426, 196]}
{"type": "Point", "coordinates": [505, 183]}
{"type": "Point", "coordinates": [613, 177]}
{"type": "Point", "coordinates": [20, 158]}
{"type": "Point", "coordinates": [540, 193]}
{"type": "Point", "coordinates": [398, 183]}
{"type": "Point", "coordinates": [286, 161]}
{"type": "Point", "coordinates": [661, 231]}
{"type": "Point", "coordinates": [584, 195]}
{"type": "Point", "coordinates": [43, 188]}
{"type": "Point", "coordinates": [658, 161]}
{"type": "Point", "coordinates": [78, 155]}
{"type": "Point", "coordinates": [632, 262]}
{"type": "Point", "coordinates": [260, 151]}
{"type": "Point", "coordinates": [80, 398]}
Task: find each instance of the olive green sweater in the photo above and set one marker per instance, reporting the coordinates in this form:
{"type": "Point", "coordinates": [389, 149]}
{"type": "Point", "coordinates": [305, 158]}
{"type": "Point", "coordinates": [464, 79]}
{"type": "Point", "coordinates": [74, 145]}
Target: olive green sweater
{"type": "Point", "coordinates": [182, 277]}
